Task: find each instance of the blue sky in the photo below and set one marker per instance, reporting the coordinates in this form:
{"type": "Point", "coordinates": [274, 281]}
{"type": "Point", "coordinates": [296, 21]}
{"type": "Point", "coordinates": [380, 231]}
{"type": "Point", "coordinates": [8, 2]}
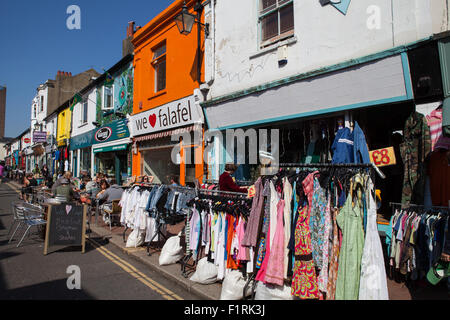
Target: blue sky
{"type": "Point", "coordinates": [36, 43]}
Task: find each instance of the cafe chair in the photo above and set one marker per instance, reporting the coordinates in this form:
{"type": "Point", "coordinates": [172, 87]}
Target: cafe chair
{"type": "Point", "coordinates": [26, 215]}
{"type": "Point", "coordinates": [18, 217]}
{"type": "Point", "coordinates": [113, 212]}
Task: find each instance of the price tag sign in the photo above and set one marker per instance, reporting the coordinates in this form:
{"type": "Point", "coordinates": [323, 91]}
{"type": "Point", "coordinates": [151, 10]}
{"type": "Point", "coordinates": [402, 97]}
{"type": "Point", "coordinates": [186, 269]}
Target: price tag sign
{"type": "Point", "coordinates": [383, 157]}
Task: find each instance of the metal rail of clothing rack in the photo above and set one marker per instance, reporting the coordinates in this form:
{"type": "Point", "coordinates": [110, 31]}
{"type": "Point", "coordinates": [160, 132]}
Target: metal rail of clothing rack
{"type": "Point", "coordinates": [394, 204]}
{"type": "Point", "coordinates": [185, 260]}
{"type": "Point", "coordinates": [238, 182]}
{"type": "Point", "coordinates": [335, 165]}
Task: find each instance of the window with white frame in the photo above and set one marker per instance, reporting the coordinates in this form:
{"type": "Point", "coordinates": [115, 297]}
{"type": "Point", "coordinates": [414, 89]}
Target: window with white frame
{"type": "Point", "coordinates": [276, 20]}
{"type": "Point", "coordinates": [108, 97]}
{"type": "Point", "coordinates": [42, 103]}
{"type": "Point", "coordinates": [84, 112]}
{"type": "Point", "coordinates": [159, 65]}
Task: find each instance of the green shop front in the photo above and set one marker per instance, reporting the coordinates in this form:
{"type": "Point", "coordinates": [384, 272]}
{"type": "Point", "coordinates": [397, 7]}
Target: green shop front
{"type": "Point", "coordinates": [111, 151]}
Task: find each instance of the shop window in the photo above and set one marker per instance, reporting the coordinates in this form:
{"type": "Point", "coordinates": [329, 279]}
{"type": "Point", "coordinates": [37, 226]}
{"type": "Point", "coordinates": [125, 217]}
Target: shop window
{"type": "Point", "coordinates": [108, 98]}
{"type": "Point", "coordinates": [276, 20]}
{"type": "Point", "coordinates": [159, 65]}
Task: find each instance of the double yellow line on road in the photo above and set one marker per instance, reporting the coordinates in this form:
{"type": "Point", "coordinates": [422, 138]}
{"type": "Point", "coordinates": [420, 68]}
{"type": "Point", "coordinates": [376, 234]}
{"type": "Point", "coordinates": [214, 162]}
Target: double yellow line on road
{"type": "Point", "coordinates": [128, 268]}
{"type": "Point", "coordinates": [131, 270]}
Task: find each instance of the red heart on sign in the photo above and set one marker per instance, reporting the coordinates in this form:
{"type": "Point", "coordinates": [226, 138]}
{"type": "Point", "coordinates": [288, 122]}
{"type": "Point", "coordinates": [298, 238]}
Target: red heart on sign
{"type": "Point", "coordinates": [152, 120]}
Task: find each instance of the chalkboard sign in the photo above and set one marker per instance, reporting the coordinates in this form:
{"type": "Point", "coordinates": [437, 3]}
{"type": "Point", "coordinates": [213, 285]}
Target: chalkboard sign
{"type": "Point", "coordinates": [66, 226]}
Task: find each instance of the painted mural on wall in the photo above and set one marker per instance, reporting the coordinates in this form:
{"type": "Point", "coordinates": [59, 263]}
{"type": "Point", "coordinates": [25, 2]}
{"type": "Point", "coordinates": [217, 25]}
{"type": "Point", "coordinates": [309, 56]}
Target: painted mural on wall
{"type": "Point", "coordinates": [123, 96]}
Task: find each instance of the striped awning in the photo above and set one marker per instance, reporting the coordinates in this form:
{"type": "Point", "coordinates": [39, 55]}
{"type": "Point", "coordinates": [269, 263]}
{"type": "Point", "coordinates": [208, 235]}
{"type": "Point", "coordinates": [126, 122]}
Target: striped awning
{"type": "Point", "coordinates": [167, 133]}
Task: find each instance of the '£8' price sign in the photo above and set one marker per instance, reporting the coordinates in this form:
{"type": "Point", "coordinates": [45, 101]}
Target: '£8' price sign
{"type": "Point", "coordinates": [383, 157]}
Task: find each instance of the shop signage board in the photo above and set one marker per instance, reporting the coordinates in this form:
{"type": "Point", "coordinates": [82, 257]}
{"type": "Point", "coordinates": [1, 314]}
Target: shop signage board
{"type": "Point", "coordinates": [383, 157]}
{"type": "Point", "coordinates": [66, 226]}
{"type": "Point", "coordinates": [119, 147]}
{"type": "Point", "coordinates": [39, 137]}
{"type": "Point", "coordinates": [175, 114]}
{"type": "Point", "coordinates": [114, 131]}
{"type": "Point", "coordinates": [82, 141]}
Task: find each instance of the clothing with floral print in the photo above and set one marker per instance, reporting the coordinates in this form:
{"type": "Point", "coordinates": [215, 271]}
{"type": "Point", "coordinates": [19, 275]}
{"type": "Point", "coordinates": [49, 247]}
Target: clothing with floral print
{"type": "Point", "coordinates": [304, 281]}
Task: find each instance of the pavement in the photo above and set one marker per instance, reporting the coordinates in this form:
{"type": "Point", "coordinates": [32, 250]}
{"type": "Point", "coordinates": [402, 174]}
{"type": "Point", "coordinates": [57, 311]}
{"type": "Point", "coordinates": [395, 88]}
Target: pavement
{"type": "Point", "coordinates": [397, 289]}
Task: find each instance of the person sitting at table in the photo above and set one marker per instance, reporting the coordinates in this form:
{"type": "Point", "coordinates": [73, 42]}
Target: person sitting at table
{"type": "Point", "coordinates": [65, 190]}
{"type": "Point", "coordinates": [103, 187]}
{"type": "Point", "coordinates": [114, 192]}
{"type": "Point", "coordinates": [67, 175]}
{"type": "Point", "coordinates": [28, 182]}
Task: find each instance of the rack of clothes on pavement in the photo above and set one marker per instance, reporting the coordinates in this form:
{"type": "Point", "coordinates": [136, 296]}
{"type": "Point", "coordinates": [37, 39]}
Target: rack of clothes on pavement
{"type": "Point", "coordinates": [312, 228]}
{"type": "Point", "coordinates": [416, 240]}
{"type": "Point", "coordinates": [148, 208]}
{"type": "Point", "coordinates": [214, 229]}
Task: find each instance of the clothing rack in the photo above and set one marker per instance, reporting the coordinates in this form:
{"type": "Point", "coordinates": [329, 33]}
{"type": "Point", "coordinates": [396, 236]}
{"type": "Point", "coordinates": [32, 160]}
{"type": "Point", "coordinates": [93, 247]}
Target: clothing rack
{"type": "Point", "coordinates": [238, 182]}
{"type": "Point", "coordinates": [222, 192]}
{"type": "Point", "coordinates": [334, 165]}
{"type": "Point", "coordinates": [185, 260]}
{"type": "Point", "coordinates": [394, 204]}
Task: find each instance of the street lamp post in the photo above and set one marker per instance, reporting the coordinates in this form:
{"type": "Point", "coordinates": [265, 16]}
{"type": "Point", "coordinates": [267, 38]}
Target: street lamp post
{"type": "Point", "coordinates": [185, 21]}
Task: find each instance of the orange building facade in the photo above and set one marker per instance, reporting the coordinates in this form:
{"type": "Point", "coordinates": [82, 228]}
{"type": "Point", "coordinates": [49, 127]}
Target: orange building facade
{"type": "Point", "coordinates": [166, 100]}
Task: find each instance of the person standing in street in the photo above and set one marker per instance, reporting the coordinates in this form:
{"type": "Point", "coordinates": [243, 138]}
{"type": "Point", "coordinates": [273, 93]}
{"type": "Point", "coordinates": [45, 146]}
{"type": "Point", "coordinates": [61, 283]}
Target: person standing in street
{"type": "Point", "coordinates": [226, 182]}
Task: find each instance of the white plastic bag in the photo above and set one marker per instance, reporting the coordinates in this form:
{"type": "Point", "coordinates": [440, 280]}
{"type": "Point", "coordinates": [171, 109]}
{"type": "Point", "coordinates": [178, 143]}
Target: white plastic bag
{"type": "Point", "coordinates": [135, 239]}
{"type": "Point", "coordinates": [233, 286]}
{"type": "Point", "coordinates": [267, 291]}
{"type": "Point", "coordinates": [172, 252]}
{"type": "Point", "coordinates": [206, 272]}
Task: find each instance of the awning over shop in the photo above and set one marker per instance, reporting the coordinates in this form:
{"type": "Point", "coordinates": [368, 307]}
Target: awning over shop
{"type": "Point", "coordinates": [372, 83]}
{"type": "Point", "coordinates": [167, 133]}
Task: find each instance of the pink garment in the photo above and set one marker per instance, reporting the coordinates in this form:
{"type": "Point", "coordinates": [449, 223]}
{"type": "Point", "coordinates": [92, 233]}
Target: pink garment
{"type": "Point", "coordinates": [434, 121]}
{"type": "Point", "coordinates": [240, 233]}
{"type": "Point", "coordinates": [308, 188]}
{"type": "Point", "coordinates": [275, 266]}
{"type": "Point", "coordinates": [262, 271]}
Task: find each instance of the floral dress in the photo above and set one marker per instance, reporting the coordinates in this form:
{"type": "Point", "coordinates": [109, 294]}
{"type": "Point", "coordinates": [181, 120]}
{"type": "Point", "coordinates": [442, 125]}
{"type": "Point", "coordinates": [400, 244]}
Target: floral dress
{"type": "Point", "coordinates": [304, 280]}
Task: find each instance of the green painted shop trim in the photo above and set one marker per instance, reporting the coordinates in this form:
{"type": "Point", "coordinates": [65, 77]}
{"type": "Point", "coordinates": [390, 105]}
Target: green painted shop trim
{"type": "Point", "coordinates": [119, 147]}
{"type": "Point", "coordinates": [407, 76]}
{"type": "Point", "coordinates": [317, 72]}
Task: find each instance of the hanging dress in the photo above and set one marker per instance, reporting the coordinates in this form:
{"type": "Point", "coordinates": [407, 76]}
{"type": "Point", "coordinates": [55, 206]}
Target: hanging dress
{"type": "Point", "coordinates": [275, 266]}
{"type": "Point", "coordinates": [350, 220]}
{"type": "Point", "coordinates": [304, 280]}
{"type": "Point", "coordinates": [373, 283]}
{"type": "Point", "coordinates": [334, 258]}
{"type": "Point", "coordinates": [287, 190]}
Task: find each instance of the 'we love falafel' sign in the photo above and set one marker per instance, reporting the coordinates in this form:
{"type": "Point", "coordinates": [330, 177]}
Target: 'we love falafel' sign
{"type": "Point", "coordinates": [175, 114]}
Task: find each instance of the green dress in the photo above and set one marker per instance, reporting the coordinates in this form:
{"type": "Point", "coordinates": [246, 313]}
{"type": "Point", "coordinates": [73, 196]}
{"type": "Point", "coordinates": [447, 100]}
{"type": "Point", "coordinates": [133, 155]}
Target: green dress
{"type": "Point", "coordinates": [350, 220]}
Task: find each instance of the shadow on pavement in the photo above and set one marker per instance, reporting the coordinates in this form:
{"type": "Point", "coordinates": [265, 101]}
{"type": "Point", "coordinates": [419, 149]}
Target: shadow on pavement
{"type": "Point", "coordinates": [6, 255]}
{"type": "Point", "coordinates": [52, 290]}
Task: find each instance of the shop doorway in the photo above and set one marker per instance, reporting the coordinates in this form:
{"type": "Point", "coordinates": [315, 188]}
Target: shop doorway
{"type": "Point", "coordinates": [113, 164]}
{"type": "Point", "coordinates": [158, 163]}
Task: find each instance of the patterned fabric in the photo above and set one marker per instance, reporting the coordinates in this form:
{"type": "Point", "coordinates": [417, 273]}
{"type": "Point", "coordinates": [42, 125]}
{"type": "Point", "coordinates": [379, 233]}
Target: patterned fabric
{"type": "Point", "coordinates": [334, 258]}
{"type": "Point", "coordinates": [304, 281]}
{"type": "Point", "coordinates": [323, 275]}
{"type": "Point", "coordinates": [414, 150]}
{"type": "Point", "coordinates": [317, 224]}
{"type": "Point", "coordinates": [261, 253]}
